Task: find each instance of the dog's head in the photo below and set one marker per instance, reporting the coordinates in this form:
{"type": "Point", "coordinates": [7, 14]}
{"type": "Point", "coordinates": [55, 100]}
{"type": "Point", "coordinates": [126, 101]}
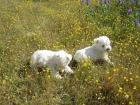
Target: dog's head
{"type": "Point", "coordinates": [103, 43]}
{"type": "Point", "coordinates": [62, 58]}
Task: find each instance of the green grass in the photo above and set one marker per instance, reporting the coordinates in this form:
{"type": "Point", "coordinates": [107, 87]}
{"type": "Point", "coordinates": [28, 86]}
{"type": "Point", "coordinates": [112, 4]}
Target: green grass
{"type": "Point", "coordinates": [26, 26]}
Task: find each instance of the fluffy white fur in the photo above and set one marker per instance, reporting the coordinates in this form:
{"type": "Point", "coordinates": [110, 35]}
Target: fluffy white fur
{"type": "Point", "coordinates": [99, 50]}
{"type": "Point", "coordinates": [56, 61]}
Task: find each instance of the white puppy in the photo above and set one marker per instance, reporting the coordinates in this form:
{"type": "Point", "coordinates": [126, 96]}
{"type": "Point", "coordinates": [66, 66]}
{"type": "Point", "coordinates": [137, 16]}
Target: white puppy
{"type": "Point", "coordinates": [54, 60]}
{"type": "Point", "coordinates": [98, 51]}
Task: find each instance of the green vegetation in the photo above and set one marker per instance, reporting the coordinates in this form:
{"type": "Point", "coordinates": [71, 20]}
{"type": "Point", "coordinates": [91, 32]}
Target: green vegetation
{"type": "Point", "coordinates": [29, 25]}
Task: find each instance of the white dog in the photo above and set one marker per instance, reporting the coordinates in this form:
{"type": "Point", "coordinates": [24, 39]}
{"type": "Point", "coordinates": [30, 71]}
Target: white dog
{"type": "Point", "coordinates": [54, 60]}
{"type": "Point", "coordinates": [98, 51]}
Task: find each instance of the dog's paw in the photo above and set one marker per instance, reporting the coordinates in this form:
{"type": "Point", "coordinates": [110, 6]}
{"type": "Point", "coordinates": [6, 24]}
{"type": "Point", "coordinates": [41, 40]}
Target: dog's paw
{"type": "Point", "coordinates": [112, 63]}
{"type": "Point", "coordinates": [58, 76]}
{"type": "Point", "coordinates": [70, 71]}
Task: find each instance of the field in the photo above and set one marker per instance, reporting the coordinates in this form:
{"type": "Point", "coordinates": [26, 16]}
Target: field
{"type": "Point", "coordinates": [29, 25]}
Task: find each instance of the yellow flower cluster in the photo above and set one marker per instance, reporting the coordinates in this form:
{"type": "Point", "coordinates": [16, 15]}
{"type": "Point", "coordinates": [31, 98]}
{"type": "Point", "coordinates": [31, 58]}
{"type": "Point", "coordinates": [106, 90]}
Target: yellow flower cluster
{"type": "Point", "coordinates": [26, 26]}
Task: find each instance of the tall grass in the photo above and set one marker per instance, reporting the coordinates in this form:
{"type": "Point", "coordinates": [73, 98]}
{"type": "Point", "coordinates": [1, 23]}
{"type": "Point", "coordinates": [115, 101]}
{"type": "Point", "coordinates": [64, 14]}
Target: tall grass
{"type": "Point", "coordinates": [26, 26]}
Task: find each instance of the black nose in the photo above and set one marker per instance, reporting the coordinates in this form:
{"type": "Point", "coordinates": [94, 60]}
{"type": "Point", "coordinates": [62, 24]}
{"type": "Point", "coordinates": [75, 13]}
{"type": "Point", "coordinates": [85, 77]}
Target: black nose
{"type": "Point", "coordinates": [108, 49]}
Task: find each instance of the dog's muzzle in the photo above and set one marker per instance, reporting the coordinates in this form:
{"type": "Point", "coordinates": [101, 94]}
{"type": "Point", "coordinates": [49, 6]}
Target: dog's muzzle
{"type": "Point", "coordinates": [108, 49]}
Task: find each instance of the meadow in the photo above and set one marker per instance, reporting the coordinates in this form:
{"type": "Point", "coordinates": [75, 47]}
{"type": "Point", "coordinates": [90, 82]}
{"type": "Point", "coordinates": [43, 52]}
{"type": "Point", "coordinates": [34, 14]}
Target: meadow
{"type": "Point", "coordinates": [29, 25]}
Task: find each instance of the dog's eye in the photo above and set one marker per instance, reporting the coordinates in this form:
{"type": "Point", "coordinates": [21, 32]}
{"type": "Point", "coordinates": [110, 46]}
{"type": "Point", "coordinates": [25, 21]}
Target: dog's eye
{"type": "Point", "coordinates": [103, 45]}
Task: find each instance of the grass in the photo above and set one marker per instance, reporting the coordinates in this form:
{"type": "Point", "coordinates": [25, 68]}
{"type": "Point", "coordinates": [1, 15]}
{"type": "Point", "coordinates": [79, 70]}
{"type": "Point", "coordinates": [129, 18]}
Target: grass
{"type": "Point", "coordinates": [26, 26]}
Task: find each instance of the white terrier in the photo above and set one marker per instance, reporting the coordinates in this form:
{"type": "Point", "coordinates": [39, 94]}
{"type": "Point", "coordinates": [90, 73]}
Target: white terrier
{"type": "Point", "coordinates": [98, 51]}
{"type": "Point", "coordinates": [54, 60]}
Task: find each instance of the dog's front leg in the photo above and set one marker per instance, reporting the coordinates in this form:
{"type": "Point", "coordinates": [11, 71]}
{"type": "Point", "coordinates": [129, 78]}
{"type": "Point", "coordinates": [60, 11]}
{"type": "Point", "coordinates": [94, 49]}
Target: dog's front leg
{"type": "Point", "coordinates": [68, 70]}
{"type": "Point", "coordinates": [108, 60]}
{"type": "Point", "coordinates": [55, 73]}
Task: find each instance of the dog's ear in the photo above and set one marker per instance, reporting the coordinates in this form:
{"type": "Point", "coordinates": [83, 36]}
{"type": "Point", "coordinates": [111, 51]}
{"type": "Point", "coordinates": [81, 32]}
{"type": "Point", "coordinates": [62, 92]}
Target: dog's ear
{"type": "Point", "coordinates": [96, 40]}
{"type": "Point", "coordinates": [69, 57]}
